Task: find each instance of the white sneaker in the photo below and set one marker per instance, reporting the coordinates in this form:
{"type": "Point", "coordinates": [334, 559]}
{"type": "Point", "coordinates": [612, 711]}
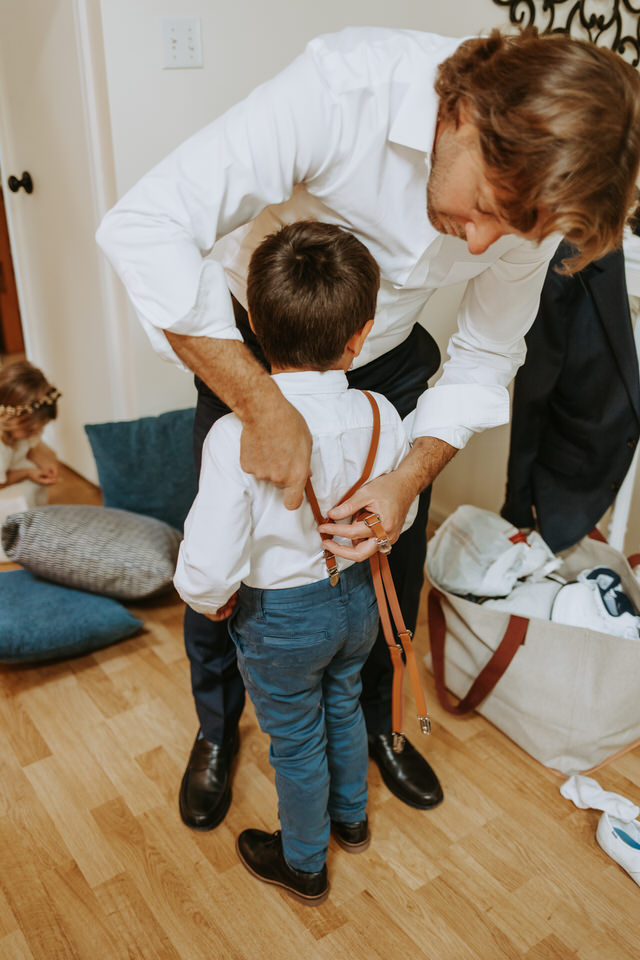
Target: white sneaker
{"type": "Point", "coordinates": [597, 601]}
{"type": "Point", "coordinates": [622, 842]}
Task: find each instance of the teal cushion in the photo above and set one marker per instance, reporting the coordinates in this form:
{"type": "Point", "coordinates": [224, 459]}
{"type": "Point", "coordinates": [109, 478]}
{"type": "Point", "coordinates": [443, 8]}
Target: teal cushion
{"type": "Point", "coordinates": [146, 465]}
{"type": "Point", "coordinates": [42, 621]}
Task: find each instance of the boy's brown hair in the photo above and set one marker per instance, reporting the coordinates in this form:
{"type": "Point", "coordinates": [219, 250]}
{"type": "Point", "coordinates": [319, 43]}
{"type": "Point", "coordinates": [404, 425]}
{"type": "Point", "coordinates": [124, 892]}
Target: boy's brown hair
{"type": "Point", "coordinates": [25, 393]}
{"type": "Point", "coordinates": [310, 287]}
{"type": "Point", "coordinates": [559, 127]}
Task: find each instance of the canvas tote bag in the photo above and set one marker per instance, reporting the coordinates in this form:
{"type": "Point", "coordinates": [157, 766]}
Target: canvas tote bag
{"type": "Point", "coordinates": [569, 696]}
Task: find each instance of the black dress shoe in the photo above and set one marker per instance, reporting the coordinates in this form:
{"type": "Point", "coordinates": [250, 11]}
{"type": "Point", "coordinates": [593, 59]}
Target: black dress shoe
{"type": "Point", "coordinates": [352, 837]}
{"type": "Point", "coordinates": [262, 855]}
{"type": "Point", "coordinates": [205, 791]}
{"type": "Point", "coordinates": [406, 774]}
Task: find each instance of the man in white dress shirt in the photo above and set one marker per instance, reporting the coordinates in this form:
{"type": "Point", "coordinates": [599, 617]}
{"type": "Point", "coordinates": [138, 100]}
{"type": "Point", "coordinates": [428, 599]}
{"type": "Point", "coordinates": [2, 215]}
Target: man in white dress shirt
{"type": "Point", "coordinates": [451, 160]}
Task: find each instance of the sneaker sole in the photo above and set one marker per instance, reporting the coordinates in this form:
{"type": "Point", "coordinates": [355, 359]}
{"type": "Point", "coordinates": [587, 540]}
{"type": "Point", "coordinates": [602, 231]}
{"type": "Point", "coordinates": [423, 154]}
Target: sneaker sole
{"type": "Point", "coordinates": [300, 897]}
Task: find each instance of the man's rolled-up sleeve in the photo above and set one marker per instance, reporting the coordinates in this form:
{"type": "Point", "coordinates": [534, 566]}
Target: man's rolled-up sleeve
{"type": "Point", "coordinates": [497, 309]}
{"type": "Point", "coordinates": [159, 235]}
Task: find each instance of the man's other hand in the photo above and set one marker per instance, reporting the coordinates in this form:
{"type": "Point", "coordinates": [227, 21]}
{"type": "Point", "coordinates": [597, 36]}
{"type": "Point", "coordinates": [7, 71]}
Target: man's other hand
{"type": "Point", "coordinates": [276, 446]}
{"type": "Point", "coordinates": [390, 496]}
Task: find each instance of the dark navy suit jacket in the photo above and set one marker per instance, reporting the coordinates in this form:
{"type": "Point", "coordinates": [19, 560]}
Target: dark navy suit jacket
{"type": "Point", "coordinates": [576, 409]}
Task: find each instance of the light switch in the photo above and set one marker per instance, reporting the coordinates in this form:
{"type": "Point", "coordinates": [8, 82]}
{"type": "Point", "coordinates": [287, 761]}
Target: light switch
{"type": "Point", "coordinates": [181, 43]}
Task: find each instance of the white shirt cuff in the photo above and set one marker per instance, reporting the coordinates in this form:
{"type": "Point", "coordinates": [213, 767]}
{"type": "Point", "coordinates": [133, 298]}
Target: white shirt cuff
{"type": "Point", "coordinates": [210, 316]}
{"type": "Point", "coordinates": [455, 412]}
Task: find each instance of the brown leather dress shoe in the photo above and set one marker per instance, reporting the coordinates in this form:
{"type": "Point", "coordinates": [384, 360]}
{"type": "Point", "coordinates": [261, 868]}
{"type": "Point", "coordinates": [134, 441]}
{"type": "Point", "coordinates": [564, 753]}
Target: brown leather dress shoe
{"type": "Point", "coordinates": [261, 853]}
{"type": "Point", "coordinates": [406, 774]}
{"type": "Point", "coordinates": [352, 837]}
{"type": "Point", "coordinates": [205, 791]}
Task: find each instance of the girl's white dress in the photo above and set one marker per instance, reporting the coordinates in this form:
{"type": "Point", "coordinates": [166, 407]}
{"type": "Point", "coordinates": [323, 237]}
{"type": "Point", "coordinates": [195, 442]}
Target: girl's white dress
{"type": "Point", "coordinates": [19, 496]}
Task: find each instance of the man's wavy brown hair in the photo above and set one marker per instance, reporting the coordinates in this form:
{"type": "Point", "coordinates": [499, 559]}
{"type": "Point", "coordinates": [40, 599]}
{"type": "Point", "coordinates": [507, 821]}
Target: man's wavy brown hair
{"type": "Point", "coordinates": [559, 127]}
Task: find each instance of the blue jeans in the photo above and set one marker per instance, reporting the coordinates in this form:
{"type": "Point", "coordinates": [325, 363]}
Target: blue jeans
{"type": "Point", "coordinates": [300, 652]}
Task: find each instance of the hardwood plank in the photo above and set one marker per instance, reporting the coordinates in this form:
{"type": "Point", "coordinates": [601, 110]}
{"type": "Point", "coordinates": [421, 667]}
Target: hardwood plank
{"type": "Point", "coordinates": [23, 812]}
{"type": "Point", "coordinates": [22, 886]}
{"type": "Point", "coordinates": [8, 922]}
{"type": "Point", "coordinates": [21, 733]}
{"type": "Point", "coordinates": [170, 885]}
{"type": "Point", "coordinates": [140, 932]}
{"type": "Point", "coordinates": [15, 947]}
{"type": "Point", "coordinates": [89, 931]}
{"type": "Point", "coordinates": [57, 788]}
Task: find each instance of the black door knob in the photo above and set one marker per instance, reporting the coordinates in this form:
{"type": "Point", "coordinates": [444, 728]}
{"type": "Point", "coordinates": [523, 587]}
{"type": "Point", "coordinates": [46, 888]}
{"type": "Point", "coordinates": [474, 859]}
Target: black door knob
{"type": "Point", "coordinates": [26, 182]}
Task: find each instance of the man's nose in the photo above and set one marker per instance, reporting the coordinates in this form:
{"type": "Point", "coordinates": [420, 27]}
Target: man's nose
{"type": "Point", "coordinates": [482, 233]}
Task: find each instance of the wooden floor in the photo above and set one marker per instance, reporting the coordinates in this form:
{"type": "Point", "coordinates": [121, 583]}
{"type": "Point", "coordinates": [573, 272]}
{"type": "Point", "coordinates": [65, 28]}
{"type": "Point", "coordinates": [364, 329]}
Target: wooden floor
{"type": "Point", "coordinates": [96, 864]}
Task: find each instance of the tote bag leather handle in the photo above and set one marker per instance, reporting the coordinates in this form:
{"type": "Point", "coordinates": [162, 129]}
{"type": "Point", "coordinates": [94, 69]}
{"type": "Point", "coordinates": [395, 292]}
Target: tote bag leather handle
{"type": "Point", "coordinates": [486, 680]}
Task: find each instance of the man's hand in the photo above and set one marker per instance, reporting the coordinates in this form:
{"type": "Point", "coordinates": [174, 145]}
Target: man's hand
{"type": "Point", "coordinates": [277, 447]}
{"type": "Point", "coordinates": [390, 496]}
{"type": "Point", "coordinates": [276, 444]}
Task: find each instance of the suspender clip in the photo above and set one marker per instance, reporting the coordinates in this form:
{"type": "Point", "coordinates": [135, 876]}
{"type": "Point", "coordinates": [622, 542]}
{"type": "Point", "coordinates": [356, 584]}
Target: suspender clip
{"type": "Point", "coordinates": [425, 724]}
{"type": "Point", "coordinates": [398, 742]}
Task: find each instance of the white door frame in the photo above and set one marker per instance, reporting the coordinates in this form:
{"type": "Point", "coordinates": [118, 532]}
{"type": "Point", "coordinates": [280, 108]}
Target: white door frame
{"type": "Point", "coordinates": [111, 304]}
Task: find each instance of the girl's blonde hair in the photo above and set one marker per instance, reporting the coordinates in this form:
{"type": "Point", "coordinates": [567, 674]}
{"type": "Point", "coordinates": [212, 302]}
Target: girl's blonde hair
{"type": "Point", "coordinates": [26, 392]}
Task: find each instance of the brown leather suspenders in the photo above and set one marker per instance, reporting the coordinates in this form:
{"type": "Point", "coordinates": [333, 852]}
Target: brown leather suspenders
{"type": "Point", "coordinates": [386, 595]}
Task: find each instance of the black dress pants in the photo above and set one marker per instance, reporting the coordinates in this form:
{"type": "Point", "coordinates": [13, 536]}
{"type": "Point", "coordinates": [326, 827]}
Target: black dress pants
{"type": "Point", "coordinates": [400, 375]}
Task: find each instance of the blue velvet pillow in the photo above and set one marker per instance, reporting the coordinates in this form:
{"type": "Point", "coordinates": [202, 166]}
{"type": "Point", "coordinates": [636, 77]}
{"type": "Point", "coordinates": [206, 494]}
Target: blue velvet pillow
{"type": "Point", "coordinates": [42, 621]}
{"type": "Point", "coordinates": [146, 465]}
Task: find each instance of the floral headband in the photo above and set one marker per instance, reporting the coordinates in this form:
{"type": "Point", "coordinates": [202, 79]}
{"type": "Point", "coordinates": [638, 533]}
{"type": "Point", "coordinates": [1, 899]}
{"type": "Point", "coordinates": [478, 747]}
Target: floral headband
{"type": "Point", "coordinates": [26, 409]}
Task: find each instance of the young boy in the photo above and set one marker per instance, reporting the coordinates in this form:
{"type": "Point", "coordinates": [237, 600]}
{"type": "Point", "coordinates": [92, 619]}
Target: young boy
{"type": "Point", "coordinates": [301, 642]}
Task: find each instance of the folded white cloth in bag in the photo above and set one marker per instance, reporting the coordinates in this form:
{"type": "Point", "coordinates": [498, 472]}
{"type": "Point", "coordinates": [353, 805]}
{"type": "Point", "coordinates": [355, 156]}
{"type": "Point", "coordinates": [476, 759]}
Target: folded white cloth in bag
{"type": "Point", "coordinates": [529, 598]}
{"type": "Point", "coordinates": [477, 552]}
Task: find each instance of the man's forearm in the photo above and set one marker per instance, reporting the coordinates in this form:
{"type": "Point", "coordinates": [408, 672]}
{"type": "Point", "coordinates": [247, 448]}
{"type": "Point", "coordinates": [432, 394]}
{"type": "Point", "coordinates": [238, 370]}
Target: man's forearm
{"type": "Point", "coordinates": [276, 443]}
{"type": "Point", "coordinates": [230, 370]}
{"type": "Point", "coordinates": [428, 456]}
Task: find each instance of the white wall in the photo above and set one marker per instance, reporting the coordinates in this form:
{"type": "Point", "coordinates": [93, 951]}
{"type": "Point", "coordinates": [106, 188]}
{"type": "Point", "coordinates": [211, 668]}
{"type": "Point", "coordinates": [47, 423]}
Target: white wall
{"type": "Point", "coordinates": [244, 42]}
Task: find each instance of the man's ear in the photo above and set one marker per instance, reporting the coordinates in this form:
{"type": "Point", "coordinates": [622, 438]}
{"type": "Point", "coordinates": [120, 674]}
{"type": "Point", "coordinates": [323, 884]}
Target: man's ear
{"type": "Point", "coordinates": [356, 342]}
{"type": "Point", "coordinates": [251, 322]}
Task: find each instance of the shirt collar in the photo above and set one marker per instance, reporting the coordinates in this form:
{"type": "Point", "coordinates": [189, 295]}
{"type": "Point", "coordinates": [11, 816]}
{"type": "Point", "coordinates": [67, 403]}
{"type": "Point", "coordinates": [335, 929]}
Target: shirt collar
{"type": "Point", "coordinates": [414, 125]}
{"type": "Point", "coordinates": [311, 381]}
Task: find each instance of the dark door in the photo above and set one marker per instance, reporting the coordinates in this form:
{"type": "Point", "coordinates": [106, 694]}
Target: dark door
{"type": "Point", "coordinates": [11, 340]}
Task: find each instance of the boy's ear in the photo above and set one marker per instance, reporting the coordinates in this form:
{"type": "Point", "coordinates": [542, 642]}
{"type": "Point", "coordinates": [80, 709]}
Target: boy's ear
{"type": "Point", "coordinates": [251, 322]}
{"type": "Point", "coordinates": [356, 342]}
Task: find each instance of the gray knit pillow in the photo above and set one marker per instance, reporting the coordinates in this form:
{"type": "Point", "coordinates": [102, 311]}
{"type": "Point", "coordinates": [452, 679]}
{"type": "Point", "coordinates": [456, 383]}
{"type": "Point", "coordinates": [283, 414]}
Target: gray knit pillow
{"type": "Point", "coordinates": [101, 549]}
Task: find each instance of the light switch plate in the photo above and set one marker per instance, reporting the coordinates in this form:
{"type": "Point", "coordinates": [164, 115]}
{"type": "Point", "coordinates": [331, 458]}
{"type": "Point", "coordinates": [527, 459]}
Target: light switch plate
{"type": "Point", "coordinates": [181, 43]}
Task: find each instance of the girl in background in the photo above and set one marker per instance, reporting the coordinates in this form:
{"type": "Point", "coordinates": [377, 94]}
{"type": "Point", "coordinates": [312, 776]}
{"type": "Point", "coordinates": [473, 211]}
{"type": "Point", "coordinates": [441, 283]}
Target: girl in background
{"type": "Point", "coordinates": [27, 465]}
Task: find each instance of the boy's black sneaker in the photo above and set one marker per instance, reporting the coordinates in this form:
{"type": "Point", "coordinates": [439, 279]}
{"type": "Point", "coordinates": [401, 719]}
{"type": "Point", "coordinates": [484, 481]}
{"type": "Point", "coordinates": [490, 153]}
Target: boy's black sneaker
{"type": "Point", "coordinates": [262, 855]}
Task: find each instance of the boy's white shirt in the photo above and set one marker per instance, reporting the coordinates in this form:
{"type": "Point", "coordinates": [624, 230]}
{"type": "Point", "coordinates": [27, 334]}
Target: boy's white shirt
{"type": "Point", "coordinates": [238, 529]}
